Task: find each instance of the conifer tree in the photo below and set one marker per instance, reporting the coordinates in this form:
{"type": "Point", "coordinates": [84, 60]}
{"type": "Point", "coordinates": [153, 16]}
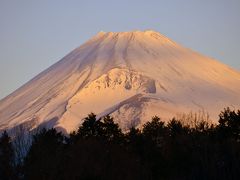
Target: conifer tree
{"type": "Point", "coordinates": [6, 157]}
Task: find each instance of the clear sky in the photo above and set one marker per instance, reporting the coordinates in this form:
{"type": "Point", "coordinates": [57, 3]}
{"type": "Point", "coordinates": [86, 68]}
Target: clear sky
{"type": "Point", "coordinates": [35, 34]}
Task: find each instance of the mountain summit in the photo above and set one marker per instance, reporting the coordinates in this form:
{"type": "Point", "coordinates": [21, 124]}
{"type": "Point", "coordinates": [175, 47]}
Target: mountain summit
{"type": "Point", "coordinates": [130, 75]}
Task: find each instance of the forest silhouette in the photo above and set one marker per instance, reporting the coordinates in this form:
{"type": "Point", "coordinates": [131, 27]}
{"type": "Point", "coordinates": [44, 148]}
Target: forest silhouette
{"type": "Point", "coordinates": [100, 150]}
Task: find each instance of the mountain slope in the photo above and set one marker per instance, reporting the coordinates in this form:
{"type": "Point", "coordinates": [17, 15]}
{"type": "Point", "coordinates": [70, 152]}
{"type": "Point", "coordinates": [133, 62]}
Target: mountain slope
{"type": "Point", "coordinates": [131, 75]}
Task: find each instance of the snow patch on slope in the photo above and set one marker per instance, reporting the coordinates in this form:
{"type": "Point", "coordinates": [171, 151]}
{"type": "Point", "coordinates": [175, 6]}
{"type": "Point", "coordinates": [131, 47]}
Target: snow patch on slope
{"type": "Point", "coordinates": [102, 93]}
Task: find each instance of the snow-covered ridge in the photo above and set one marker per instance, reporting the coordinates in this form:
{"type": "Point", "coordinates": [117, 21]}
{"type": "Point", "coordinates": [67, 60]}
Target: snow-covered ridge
{"type": "Point", "coordinates": [131, 75]}
{"type": "Point", "coordinates": [122, 78]}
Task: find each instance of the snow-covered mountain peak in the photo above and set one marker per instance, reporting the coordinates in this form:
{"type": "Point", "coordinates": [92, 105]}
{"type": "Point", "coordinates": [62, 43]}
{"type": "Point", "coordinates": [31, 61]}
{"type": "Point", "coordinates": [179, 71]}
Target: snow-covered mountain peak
{"type": "Point", "coordinates": [130, 75]}
{"type": "Point", "coordinates": [101, 33]}
{"type": "Point", "coordinates": [149, 36]}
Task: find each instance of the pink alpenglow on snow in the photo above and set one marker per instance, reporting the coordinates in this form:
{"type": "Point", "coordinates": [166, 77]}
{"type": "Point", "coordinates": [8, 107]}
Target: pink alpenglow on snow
{"type": "Point", "coordinates": [130, 75]}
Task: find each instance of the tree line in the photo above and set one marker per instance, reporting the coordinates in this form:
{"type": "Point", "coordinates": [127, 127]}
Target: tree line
{"type": "Point", "coordinates": [100, 150]}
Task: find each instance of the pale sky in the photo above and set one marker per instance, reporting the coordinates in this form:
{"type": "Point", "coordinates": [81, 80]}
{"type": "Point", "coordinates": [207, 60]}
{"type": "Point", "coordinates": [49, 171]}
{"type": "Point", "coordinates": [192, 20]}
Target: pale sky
{"type": "Point", "coordinates": [35, 34]}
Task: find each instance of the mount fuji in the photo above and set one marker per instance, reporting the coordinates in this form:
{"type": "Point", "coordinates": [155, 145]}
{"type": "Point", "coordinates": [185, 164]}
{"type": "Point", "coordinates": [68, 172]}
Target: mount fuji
{"type": "Point", "coordinates": [130, 75]}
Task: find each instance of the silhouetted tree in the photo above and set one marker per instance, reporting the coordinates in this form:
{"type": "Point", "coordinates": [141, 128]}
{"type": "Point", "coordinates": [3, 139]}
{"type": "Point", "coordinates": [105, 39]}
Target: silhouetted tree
{"type": "Point", "coordinates": [6, 158]}
{"type": "Point", "coordinates": [134, 135]}
{"type": "Point", "coordinates": [154, 130]}
{"type": "Point", "coordinates": [104, 129]}
{"type": "Point", "coordinates": [135, 141]}
{"type": "Point", "coordinates": [91, 127]}
{"type": "Point", "coordinates": [229, 123]}
{"type": "Point", "coordinates": [154, 134]}
{"type": "Point", "coordinates": [110, 130]}
{"type": "Point", "coordinates": [175, 128]}
{"type": "Point", "coordinates": [44, 157]}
